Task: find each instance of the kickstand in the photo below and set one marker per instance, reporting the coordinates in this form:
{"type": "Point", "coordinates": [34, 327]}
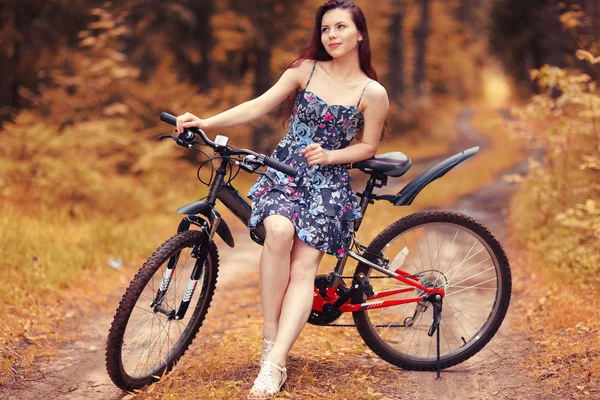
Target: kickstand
{"type": "Point", "coordinates": [435, 326]}
{"type": "Point", "coordinates": [438, 353]}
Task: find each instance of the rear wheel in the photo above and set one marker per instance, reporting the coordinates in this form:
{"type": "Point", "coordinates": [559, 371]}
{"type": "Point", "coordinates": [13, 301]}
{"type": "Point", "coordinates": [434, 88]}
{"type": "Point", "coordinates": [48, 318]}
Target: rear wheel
{"type": "Point", "coordinates": [443, 250]}
{"type": "Point", "coordinates": [145, 338]}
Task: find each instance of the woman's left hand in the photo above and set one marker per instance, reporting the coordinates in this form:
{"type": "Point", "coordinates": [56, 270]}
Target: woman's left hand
{"type": "Point", "coordinates": [315, 154]}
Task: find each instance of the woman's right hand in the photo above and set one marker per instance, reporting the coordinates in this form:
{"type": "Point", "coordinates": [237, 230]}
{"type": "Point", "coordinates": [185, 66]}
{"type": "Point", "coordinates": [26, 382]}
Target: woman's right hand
{"type": "Point", "coordinates": [189, 120]}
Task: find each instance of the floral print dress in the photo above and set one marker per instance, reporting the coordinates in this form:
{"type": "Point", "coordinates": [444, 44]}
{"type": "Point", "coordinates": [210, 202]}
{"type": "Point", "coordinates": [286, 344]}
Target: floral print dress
{"type": "Point", "coordinates": [319, 200]}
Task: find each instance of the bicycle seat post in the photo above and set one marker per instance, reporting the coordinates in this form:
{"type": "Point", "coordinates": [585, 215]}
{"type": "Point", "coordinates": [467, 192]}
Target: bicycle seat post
{"type": "Point", "coordinates": [366, 196]}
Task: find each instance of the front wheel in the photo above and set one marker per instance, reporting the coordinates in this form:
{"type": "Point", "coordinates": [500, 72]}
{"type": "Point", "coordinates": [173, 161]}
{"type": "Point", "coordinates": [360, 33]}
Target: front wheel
{"type": "Point", "coordinates": [147, 337]}
{"type": "Point", "coordinates": [442, 250]}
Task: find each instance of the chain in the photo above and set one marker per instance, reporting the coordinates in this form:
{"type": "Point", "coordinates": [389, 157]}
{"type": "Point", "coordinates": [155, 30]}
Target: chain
{"type": "Point", "coordinates": [376, 277]}
{"type": "Point", "coordinates": [375, 326]}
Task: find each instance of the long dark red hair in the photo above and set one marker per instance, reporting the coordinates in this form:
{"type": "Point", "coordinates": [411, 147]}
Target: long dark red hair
{"type": "Point", "coordinates": [314, 49]}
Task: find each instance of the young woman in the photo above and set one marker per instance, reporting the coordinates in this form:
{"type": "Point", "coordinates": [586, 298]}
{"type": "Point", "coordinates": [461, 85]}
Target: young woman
{"type": "Point", "coordinates": [334, 98]}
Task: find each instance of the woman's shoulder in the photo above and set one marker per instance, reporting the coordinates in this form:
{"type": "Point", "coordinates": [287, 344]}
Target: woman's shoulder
{"type": "Point", "coordinates": [301, 70]}
{"type": "Point", "coordinates": [375, 91]}
{"type": "Point", "coordinates": [375, 97]}
{"type": "Point", "coordinates": [303, 65]}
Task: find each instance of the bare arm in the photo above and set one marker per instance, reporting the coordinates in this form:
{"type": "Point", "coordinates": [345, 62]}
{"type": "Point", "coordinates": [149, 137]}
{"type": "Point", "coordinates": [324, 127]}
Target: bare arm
{"type": "Point", "coordinates": [376, 107]}
{"type": "Point", "coordinates": [252, 109]}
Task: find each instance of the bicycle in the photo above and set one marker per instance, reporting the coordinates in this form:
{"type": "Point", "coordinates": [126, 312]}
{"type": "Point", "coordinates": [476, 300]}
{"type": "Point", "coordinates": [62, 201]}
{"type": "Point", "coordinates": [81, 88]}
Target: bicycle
{"type": "Point", "coordinates": [154, 325]}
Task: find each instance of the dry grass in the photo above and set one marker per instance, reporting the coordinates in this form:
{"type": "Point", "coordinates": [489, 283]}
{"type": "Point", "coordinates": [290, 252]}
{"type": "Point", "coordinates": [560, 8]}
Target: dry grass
{"type": "Point", "coordinates": [555, 219]}
{"type": "Point", "coordinates": [561, 315]}
{"type": "Point", "coordinates": [560, 321]}
{"type": "Point", "coordinates": [54, 270]}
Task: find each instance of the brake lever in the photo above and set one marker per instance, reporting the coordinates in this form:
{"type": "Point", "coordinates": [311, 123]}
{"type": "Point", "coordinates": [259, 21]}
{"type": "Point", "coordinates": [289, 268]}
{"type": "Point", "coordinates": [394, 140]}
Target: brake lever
{"type": "Point", "coordinates": [181, 140]}
{"type": "Point", "coordinates": [162, 137]}
{"type": "Point", "coordinates": [246, 167]}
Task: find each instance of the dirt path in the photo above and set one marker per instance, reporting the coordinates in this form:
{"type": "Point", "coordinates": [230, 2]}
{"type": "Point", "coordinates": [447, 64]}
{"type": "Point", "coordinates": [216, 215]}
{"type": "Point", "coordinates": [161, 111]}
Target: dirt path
{"type": "Point", "coordinates": [495, 373]}
{"type": "Point", "coordinates": [79, 372]}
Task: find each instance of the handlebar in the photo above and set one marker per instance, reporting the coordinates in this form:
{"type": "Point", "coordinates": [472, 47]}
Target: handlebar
{"type": "Point", "coordinates": [279, 166]}
{"type": "Point", "coordinates": [188, 138]}
{"type": "Point", "coordinates": [168, 118]}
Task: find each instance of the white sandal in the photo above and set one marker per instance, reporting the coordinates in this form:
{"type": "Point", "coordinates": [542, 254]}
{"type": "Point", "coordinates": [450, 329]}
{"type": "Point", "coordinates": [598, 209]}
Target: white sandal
{"type": "Point", "coordinates": [264, 387]}
{"type": "Point", "coordinates": [267, 346]}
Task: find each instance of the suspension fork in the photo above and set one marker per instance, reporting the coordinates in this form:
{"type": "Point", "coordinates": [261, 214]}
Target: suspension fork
{"type": "Point", "coordinates": [184, 225]}
{"type": "Point", "coordinates": [200, 252]}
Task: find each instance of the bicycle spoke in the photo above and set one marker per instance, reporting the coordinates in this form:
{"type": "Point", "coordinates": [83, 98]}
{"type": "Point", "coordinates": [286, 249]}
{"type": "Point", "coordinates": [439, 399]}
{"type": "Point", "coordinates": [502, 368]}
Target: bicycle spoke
{"type": "Point", "coordinates": [467, 270]}
{"type": "Point", "coordinates": [463, 261]}
{"type": "Point", "coordinates": [410, 257]}
{"type": "Point", "coordinates": [428, 248]}
{"type": "Point", "coordinates": [448, 302]}
{"type": "Point", "coordinates": [471, 277]}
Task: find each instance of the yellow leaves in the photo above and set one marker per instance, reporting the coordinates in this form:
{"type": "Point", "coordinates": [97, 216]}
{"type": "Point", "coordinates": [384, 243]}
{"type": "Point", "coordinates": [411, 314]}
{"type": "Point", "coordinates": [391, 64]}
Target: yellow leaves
{"type": "Point", "coordinates": [102, 24]}
{"type": "Point", "coordinates": [582, 327]}
{"type": "Point", "coordinates": [584, 216]}
{"type": "Point", "coordinates": [100, 12]}
{"type": "Point", "coordinates": [559, 202]}
{"type": "Point", "coordinates": [115, 55]}
{"type": "Point", "coordinates": [513, 178]}
{"type": "Point", "coordinates": [587, 56]}
{"type": "Point", "coordinates": [371, 392]}
{"type": "Point", "coordinates": [88, 41]}
{"type": "Point", "coordinates": [590, 162]}
{"type": "Point", "coordinates": [115, 109]}
{"type": "Point", "coordinates": [590, 207]}
{"type": "Point", "coordinates": [329, 345]}
{"type": "Point", "coordinates": [27, 325]}
{"type": "Point", "coordinates": [572, 19]}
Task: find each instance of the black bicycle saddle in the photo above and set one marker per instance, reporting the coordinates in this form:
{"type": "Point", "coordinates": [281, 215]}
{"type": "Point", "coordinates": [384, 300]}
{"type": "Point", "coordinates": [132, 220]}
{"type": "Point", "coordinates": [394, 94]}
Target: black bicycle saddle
{"type": "Point", "coordinates": [389, 164]}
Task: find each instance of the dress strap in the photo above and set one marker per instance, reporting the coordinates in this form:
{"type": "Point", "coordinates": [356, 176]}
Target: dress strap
{"type": "Point", "coordinates": [311, 74]}
{"type": "Point", "coordinates": [363, 92]}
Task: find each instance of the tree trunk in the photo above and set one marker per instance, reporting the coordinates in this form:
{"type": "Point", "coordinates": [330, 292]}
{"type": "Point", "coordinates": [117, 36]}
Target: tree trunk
{"type": "Point", "coordinates": [553, 34]}
{"type": "Point", "coordinates": [464, 11]}
{"type": "Point", "coordinates": [15, 98]}
{"type": "Point", "coordinates": [206, 43]}
{"type": "Point", "coordinates": [262, 83]}
{"type": "Point", "coordinates": [396, 78]}
{"type": "Point", "coordinates": [420, 34]}
{"type": "Point", "coordinates": [592, 11]}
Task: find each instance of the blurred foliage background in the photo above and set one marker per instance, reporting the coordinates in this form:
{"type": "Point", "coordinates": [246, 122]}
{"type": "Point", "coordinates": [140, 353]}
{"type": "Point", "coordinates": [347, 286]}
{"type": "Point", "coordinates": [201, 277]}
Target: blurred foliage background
{"type": "Point", "coordinates": [87, 79]}
{"type": "Point", "coordinates": [82, 177]}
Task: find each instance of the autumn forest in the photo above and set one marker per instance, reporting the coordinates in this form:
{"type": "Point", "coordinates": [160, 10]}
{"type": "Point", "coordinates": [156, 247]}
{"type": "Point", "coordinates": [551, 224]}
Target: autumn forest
{"type": "Point", "coordinates": [87, 192]}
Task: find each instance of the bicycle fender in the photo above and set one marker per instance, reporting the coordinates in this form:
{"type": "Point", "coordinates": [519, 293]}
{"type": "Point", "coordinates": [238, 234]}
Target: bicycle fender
{"type": "Point", "coordinates": [202, 207]}
{"type": "Point", "coordinates": [406, 196]}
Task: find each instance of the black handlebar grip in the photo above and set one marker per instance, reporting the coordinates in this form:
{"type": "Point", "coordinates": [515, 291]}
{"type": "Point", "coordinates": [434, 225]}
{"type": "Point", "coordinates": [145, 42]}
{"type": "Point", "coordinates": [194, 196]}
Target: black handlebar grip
{"type": "Point", "coordinates": [279, 166]}
{"type": "Point", "coordinates": [168, 118]}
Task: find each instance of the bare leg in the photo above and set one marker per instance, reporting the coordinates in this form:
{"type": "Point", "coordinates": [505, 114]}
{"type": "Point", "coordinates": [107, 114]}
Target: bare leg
{"type": "Point", "coordinates": [296, 306]}
{"type": "Point", "coordinates": [297, 301]}
{"type": "Point", "coordinates": [275, 270]}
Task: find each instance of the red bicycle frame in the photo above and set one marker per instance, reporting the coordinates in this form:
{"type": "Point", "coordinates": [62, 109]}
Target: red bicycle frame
{"type": "Point", "coordinates": [398, 274]}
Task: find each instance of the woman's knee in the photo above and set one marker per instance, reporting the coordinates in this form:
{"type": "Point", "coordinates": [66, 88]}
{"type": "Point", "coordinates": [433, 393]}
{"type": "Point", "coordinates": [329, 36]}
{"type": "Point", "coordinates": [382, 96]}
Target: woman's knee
{"type": "Point", "coordinates": [279, 231]}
